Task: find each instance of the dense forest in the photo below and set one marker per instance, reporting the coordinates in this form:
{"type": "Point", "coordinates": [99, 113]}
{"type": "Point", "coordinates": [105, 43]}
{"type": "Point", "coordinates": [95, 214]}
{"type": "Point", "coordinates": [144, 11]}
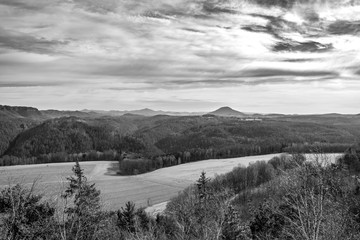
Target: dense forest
{"type": "Point", "coordinates": [145, 143]}
{"type": "Point", "coordinates": [285, 198]}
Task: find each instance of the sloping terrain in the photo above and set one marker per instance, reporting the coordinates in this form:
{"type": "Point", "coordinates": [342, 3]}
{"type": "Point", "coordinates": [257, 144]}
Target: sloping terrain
{"type": "Point", "coordinates": [227, 112]}
{"type": "Point", "coordinates": [145, 189]}
{"type": "Point", "coordinates": [32, 136]}
{"type": "Point", "coordinates": [204, 137]}
{"type": "Point", "coordinates": [13, 121]}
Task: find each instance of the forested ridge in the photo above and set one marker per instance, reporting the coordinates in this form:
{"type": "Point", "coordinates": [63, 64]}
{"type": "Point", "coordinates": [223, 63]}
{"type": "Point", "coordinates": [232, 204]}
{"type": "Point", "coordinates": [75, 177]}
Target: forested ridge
{"type": "Point", "coordinates": [145, 143]}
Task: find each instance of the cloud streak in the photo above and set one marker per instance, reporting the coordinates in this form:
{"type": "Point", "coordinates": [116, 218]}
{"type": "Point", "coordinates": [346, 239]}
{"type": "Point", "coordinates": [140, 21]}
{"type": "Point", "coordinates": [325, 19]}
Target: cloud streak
{"type": "Point", "coordinates": [24, 42]}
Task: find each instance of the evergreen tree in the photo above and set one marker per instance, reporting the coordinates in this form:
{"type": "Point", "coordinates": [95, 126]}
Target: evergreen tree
{"type": "Point", "coordinates": [143, 219]}
{"type": "Point", "coordinates": [201, 184]}
{"type": "Point", "coordinates": [126, 217]}
{"type": "Point", "coordinates": [84, 215]}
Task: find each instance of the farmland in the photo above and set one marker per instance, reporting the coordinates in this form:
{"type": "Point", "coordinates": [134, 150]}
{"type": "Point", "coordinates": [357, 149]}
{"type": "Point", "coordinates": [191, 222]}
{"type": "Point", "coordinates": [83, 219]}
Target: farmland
{"type": "Point", "coordinates": [144, 190]}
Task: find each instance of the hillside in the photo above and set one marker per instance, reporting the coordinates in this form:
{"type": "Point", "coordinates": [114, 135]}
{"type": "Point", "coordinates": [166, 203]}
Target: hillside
{"type": "Point", "coordinates": [188, 138]}
{"type": "Point", "coordinates": [157, 186]}
{"type": "Point", "coordinates": [14, 120]}
{"type": "Point", "coordinates": [285, 198]}
{"type": "Point", "coordinates": [17, 119]}
{"type": "Point", "coordinates": [28, 133]}
{"type": "Point", "coordinates": [71, 135]}
{"type": "Point", "coordinates": [57, 114]}
{"type": "Point", "coordinates": [227, 112]}
{"type": "Point", "coordinates": [20, 112]}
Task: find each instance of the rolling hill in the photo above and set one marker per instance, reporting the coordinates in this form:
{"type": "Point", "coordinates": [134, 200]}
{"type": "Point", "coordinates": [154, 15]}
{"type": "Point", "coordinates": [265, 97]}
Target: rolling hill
{"type": "Point", "coordinates": [30, 133]}
{"type": "Point", "coordinates": [227, 112]}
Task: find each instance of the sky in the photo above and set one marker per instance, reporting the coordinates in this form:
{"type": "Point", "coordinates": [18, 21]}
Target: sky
{"type": "Point", "coordinates": [180, 55]}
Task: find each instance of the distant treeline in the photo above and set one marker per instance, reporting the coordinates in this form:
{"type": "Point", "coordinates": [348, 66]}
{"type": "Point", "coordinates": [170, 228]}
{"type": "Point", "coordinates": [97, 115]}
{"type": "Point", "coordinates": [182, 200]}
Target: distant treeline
{"type": "Point", "coordinates": [59, 157]}
{"type": "Point", "coordinates": [136, 164]}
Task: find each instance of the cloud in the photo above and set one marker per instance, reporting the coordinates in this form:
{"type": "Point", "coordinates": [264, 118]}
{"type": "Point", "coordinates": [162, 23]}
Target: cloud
{"type": "Point", "coordinates": [29, 5]}
{"type": "Point", "coordinates": [16, 84]}
{"type": "Point", "coordinates": [309, 46]}
{"type": "Point", "coordinates": [27, 43]}
{"type": "Point", "coordinates": [344, 27]}
{"type": "Point", "coordinates": [118, 51]}
{"type": "Point", "coordinates": [282, 72]}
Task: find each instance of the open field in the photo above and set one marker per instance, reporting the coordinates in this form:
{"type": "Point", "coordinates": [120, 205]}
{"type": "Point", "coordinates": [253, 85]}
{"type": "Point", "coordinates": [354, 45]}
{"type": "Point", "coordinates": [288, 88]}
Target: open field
{"type": "Point", "coordinates": [146, 189]}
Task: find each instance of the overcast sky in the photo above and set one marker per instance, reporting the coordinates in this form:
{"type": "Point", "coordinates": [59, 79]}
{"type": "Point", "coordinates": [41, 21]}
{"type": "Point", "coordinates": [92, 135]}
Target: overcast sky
{"type": "Point", "coordinates": [180, 55]}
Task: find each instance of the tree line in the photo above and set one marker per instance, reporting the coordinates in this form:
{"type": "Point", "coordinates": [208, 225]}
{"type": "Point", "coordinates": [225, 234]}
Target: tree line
{"type": "Point", "coordinates": [138, 163]}
{"type": "Point", "coordinates": [58, 157]}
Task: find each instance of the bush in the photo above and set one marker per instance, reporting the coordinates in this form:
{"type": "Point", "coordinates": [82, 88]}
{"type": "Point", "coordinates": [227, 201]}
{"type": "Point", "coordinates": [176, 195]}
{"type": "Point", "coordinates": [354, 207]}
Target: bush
{"type": "Point", "coordinates": [24, 215]}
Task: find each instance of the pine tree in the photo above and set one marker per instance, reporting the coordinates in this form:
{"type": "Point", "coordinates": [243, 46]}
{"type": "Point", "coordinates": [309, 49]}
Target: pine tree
{"type": "Point", "coordinates": [201, 183]}
{"type": "Point", "coordinates": [126, 217]}
{"type": "Point", "coordinates": [84, 214]}
{"type": "Point", "coordinates": [143, 219]}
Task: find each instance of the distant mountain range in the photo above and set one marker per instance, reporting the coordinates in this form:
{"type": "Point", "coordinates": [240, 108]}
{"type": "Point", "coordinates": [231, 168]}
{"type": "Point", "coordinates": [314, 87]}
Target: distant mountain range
{"type": "Point", "coordinates": [34, 113]}
{"type": "Point", "coordinates": [223, 112]}
{"type": "Point", "coordinates": [143, 112]}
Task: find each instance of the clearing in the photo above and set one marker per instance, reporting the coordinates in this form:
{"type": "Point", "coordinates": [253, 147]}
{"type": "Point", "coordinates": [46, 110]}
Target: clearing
{"type": "Point", "coordinates": [144, 190]}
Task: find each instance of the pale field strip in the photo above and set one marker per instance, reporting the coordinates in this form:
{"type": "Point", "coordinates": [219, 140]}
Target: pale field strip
{"type": "Point", "coordinates": [154, 188]}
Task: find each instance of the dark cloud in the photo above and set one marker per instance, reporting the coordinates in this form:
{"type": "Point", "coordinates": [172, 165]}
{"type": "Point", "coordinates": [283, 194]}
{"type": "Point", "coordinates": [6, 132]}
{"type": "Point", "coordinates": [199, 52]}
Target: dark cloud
{"type": "Point", "coordinates": [357, 72]}
{"type": "Point", "coordinates": [275, 26]}
{"type": "Point", "coordinates": [301, 60]}
{"type": "Point", "coordinates": [19, 4]}
{"type": "Point", "coordinates": [263, 72]}
{"type": "Point", "coordinates": [295, 46]}
{"type": "Point", "coordinates": [256, 28]}
{"type": "Point", "coordinates": [28, 43]}
{"type": "Point", "coordinates": [341, 27]}
{"type": "Point", "coordinates": [193, 30]}
{"type": "Point", "coordinates": [30, 5]}
{"type": "Point", "coordinates": [155, 14]}
{"type": "Point", "coordinates": [279, 27]}
{"type": "Point", "coordinates": [211, 8]}
{"type": "Point", "coordinates": [16, 84]}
